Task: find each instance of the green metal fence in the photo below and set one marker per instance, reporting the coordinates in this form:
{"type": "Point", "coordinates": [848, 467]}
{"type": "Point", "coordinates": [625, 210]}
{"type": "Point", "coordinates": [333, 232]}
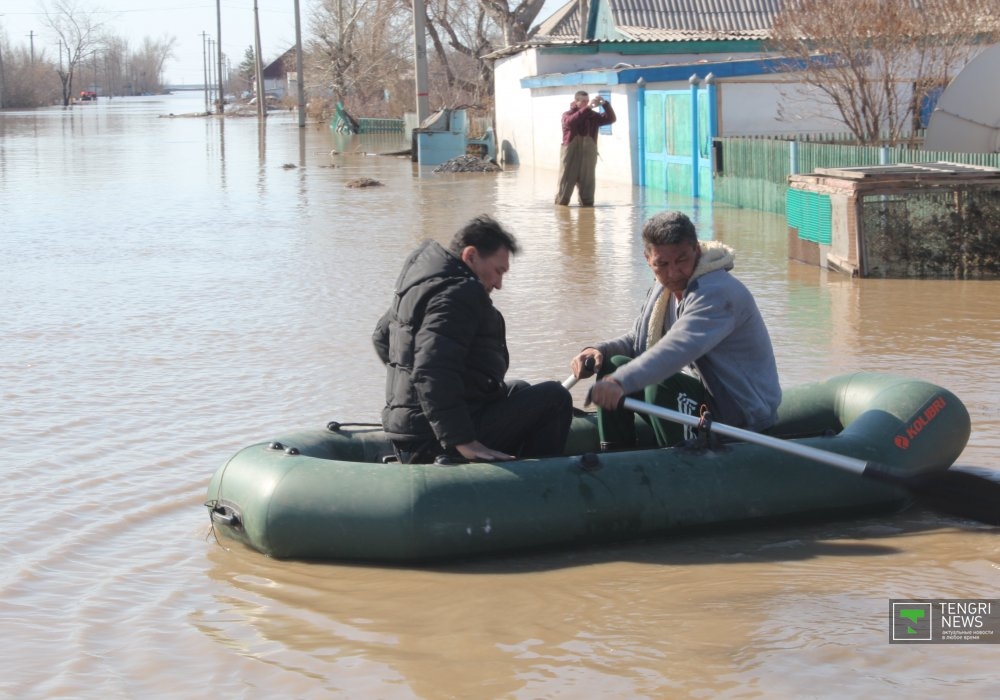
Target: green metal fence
{"type": "Point", "coordinates": [753, 172]}
{"type": "Point", "coordinates": [371, 125]}
{"type": "Point", "coordinates": [809, 214]}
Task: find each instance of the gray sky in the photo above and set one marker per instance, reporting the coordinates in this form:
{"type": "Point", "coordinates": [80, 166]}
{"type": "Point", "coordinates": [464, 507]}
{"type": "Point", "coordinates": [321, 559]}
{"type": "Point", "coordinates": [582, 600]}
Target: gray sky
{"type": "Point", "coordinates": [184, 19]}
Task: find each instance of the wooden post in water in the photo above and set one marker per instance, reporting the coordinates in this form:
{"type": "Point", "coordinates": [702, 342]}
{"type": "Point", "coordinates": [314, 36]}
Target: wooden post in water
{"type": "Point", "coordinates": [258, 67]}
{"type": "Point", "coordinates": [299, 80]}
{"type": "Point", "coordinates": [218, 45]}
{"type": "Point", "coordinates": [204, 71]}
{"type": "Point", "coordinates": [420, 59]}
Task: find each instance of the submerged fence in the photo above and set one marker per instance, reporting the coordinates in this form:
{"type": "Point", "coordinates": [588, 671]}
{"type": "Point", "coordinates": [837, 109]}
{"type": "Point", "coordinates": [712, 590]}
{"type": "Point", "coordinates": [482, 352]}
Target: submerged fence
{"type": "Point", "coordinates": [477, 126]}
{"type": "Point", "coordinates": [753, 172]}
{"type": "Point", "coordinates": [371, 125]}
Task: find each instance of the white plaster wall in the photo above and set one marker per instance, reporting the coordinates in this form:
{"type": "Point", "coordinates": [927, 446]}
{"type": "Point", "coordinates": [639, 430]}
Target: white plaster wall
{"type": "Point", "coordinates": [529, 122]}
{"type": "Point", "coordinates": [763, 106]}
{"type": "Point", "coordinates": [515, 111]}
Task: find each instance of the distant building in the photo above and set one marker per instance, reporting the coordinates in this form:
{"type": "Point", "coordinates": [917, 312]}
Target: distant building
{"type": "Point", "coordinates": [280, 76]}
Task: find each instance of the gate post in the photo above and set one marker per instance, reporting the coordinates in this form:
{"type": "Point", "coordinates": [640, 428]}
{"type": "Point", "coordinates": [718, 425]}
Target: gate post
{"type": "Point", "coordinates": [641, 137]}
{"type": "Point", "coordinates": [713, 123]}
{"type": "Point", "coordinates": [694, 80]}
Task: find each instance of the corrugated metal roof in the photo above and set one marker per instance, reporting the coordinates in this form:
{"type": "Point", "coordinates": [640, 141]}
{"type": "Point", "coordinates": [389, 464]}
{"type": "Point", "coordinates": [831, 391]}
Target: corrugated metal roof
{"type": "Point", "coordinates": [647, 34]}
{"type": "Point", "coordinates": [674, 20]}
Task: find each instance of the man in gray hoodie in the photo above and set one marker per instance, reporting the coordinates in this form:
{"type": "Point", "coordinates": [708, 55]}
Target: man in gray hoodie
{"type": "Point", "coordinates": [699, 341]}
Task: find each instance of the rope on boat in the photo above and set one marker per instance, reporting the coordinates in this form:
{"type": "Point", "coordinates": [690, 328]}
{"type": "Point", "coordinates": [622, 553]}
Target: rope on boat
{"type": "Point", "coordinates": [335, 426]}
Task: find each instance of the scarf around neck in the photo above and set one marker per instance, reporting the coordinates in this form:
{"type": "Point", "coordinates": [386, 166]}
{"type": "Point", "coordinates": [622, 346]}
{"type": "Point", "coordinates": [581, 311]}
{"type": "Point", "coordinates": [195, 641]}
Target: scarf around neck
{"type": "Point", "coordinates": [714, 256]}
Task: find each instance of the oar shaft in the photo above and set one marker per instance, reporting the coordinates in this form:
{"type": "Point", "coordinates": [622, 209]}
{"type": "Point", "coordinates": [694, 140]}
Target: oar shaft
{"type": "Point", "coordinates": [857, 466]}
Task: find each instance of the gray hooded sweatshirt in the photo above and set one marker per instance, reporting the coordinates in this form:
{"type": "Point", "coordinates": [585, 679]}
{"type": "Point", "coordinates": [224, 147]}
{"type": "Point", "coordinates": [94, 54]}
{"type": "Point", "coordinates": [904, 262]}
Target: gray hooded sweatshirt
{"type": "Point", "coordinates": [716, 332]}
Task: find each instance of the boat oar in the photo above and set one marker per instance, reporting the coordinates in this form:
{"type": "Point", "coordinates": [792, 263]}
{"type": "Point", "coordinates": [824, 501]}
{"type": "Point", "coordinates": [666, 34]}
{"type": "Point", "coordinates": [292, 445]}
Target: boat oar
{"type": "Point", "coordinates": [957, 493]}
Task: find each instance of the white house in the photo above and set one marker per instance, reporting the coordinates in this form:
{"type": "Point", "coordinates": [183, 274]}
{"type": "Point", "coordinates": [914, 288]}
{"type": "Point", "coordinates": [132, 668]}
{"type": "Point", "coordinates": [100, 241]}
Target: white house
{"type": "Point", "coordinates": [677, 74]}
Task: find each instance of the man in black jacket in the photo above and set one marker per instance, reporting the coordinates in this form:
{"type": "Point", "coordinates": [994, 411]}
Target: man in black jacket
{"type": "Point", "coordinates": [445, 350]}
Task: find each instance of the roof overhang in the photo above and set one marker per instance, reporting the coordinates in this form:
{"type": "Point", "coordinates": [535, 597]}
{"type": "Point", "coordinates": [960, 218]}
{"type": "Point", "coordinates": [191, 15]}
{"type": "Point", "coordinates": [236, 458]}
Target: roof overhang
{"type": "Point", "coordinates": [667, 73]}
{"type": "Point", "coordinates": [630, 47]}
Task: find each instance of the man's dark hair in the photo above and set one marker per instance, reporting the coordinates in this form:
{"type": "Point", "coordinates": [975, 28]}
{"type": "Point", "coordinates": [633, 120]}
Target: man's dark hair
{"type": "Point", "coordinates": [486, 235]}
{"type": "Point", "coordinates": [580, 94]}
{"type": "Point", "coordinates": [669, 227]}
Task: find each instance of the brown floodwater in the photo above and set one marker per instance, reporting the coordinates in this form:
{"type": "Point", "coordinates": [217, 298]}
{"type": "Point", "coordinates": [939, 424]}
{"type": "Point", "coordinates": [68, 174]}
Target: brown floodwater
{"type": "Point", "coordinates": [176, 288]}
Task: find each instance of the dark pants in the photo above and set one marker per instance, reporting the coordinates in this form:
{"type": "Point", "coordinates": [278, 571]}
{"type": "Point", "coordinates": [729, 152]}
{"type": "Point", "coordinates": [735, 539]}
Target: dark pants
{"type": "Point", "coordinates": [577, 165]}
{"type": "Point", "coordinates": [680, 392]}
{"type": "Point", "coordinates": [532, 421]}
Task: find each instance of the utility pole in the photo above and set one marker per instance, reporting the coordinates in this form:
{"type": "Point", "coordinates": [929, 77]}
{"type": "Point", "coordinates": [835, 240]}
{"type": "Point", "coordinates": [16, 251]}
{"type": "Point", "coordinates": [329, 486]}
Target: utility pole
{"type": "Point", "coordinates": [211, 70]}
{"type": "Point", "coordinates": [204, 71]}
{"type": "Point", "coordinates": [31, 38]}
{"type": "Point", "coordinates": [420, 58]}
{"type": "Point", "coordinates": [258, 68]}
{"type": "Point", "coordinates": [218, 37]}
{"type": "Point", "coordinates": [299, 78]}
{"type": "Point", "coordinates": [1, 75]}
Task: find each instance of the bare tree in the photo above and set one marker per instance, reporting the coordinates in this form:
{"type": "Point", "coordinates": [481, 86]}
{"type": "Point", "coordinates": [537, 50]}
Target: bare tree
{"type": "Point", "coordinates": [79, 35]}
{"type": "Point", "coordinates": [116, 59]}
{"type": "Point", "coordinates": [464, 31]}
{"type": "Point", "coordinates": [875, 62]}
{"type": "Point", "coordinates": [145, 65]}
{"type": "Point", "coordinates": [514, 22]}
{"type": "Point", "coordinates": [28, 81]}
{"type": "Point", "coordinates": [361, 53]}
{"type": "Point", "coordinates": [363, 50]}
{"type": "Point", "coordinates": [461, 32]}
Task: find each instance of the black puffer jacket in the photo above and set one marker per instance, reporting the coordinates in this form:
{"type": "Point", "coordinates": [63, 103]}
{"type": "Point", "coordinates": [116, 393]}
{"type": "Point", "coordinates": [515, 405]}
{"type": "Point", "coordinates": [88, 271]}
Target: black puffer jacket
{"type": "Point", "coordinates": [444, 346]}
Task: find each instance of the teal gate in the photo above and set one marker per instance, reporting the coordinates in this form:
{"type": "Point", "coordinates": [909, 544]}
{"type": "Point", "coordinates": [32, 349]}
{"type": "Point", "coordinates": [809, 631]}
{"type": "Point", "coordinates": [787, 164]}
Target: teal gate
{"type": "Point", "coordinates": [677, 135]}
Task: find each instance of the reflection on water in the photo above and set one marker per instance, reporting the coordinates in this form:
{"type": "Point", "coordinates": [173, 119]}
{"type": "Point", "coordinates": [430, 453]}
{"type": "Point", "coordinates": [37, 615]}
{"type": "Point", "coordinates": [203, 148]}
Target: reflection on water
{"type": "Point", "coordinates": [177, 287]}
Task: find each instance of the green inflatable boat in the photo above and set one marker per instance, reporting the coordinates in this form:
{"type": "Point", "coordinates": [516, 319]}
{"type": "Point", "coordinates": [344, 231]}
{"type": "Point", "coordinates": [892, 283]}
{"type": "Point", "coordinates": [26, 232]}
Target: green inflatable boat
{"type": "Point", "coordinates": [335, 493]}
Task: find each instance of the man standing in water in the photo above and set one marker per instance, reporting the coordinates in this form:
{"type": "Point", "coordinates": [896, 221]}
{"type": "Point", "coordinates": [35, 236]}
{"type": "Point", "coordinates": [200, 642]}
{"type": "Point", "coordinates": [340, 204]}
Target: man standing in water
{"type": "Point", "coordinates": [578, 154]}
{"type": "Point", "coordinates": [699, 340]}
{"type": "Point", "coordinates": [445, 349]}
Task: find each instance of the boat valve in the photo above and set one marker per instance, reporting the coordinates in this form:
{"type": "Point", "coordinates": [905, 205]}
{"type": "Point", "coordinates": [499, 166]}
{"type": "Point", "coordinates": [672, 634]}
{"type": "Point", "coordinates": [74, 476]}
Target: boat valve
{"type": "Point", "coordinates": [225, 514]}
